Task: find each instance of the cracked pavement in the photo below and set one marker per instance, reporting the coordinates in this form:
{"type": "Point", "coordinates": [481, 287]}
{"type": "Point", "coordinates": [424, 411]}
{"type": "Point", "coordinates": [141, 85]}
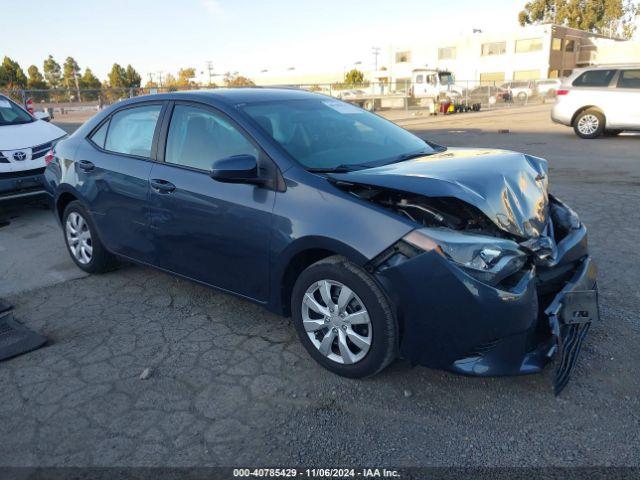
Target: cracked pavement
{"type": "Point", "coordinates": [230, 384]}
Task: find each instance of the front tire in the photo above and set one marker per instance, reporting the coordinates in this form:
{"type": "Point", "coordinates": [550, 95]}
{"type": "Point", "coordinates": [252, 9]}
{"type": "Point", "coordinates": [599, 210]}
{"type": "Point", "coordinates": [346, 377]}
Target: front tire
{"type": "Point", "coordinates": [343, 318]}
{"type": "Point", "coordinates": [83, 244]}
{"type": "Point", "coordinates": [589, 124]}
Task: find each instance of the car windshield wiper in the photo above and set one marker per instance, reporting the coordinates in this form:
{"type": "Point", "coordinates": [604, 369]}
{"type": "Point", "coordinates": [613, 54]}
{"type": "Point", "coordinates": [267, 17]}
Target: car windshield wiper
{"type": "Point", "coordinates": [409, 156]}
{"type": "Point", "coordinates": [340, 168]}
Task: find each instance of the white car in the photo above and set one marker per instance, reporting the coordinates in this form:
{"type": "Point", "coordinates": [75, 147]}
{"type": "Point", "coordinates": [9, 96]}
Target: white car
{"type": "Point", "coordinates": [600, 100]}
{"type": "Point", "coordinates": [520, 90]}
{"type": "Point", "coordinates": [548, 88]}
{"type": "Point", "coordinates": [25, 140]}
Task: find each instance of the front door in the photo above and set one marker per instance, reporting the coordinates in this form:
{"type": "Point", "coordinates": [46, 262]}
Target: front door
{"type": "Point", "coordinates": [213, 232]}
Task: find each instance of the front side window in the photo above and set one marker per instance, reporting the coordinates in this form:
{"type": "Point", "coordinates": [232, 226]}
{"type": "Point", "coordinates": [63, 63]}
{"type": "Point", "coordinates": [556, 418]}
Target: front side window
{"type": "Point", "coordinates": [556, 44]}
{"type": "Point", "coordinates": [629, 79]}
{"type": "Point", "coordinates": [570, 46]}
{"type": "Point", "coordinates": [594, 78]}
{"type": "Point", "coordinates": [12, 114]}
{"type": "Point", "coordinates": [420, 79]}
{"type": "Point", "coordinates": [131, 130]}
{"type": "Point", "coordinates": [324, 134]}
{"type": "Point", "coordinates": [198, 137]}
{"type": "Point", "coordinates": [495, 48]}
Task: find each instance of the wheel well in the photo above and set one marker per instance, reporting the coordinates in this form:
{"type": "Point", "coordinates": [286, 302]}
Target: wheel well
{"type": "Point", "coordinates": [63, 200]}
{"type": "Point", "coordinates": [296, 266]}
{"type": "Point", "coordinates": [583, 109]}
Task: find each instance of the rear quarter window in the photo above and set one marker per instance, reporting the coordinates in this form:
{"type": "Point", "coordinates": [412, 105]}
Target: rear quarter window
{"type": "Point", "coordinates": [594, 78]}
{"type": "Point", "coordinates": [629, 79]}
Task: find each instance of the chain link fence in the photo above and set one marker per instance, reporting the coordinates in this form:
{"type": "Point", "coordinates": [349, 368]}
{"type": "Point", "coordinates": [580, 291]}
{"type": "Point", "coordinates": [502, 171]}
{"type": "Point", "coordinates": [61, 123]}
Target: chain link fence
{"type": "Point", "coordinates": [412, 98]}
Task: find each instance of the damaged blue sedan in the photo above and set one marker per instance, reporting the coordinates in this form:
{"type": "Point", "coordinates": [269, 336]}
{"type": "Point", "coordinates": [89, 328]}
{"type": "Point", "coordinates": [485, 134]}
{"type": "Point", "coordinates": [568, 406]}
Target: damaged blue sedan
{"type": "Point", "coordinates": [377, 243]}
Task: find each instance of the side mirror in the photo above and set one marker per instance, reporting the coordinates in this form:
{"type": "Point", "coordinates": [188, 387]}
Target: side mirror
{"type": "Point", "coordinates": [42, 116]}
{"type": "Point", "coordinates": [236, 169]}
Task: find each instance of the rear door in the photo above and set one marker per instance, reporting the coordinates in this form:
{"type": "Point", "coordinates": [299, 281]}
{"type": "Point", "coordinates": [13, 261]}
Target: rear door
{"type": "Point", "coordinates": [217, 233]}
{"type": "Point", "coordinates": [112, 169]}
{"type": "Point", "coordinates": [595, 88]}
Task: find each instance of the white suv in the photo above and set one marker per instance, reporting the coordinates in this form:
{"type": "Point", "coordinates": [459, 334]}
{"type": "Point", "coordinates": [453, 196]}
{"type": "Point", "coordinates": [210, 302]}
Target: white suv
{"type": "Point", "coordinates": [24, 144]}
{"type": "Point", "coordinates": [600, 100]}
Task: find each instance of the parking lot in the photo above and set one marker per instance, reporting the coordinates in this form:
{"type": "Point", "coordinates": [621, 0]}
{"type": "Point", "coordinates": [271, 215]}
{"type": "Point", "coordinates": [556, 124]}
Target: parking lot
{"type": "Point", "coordinates": [229, 384]}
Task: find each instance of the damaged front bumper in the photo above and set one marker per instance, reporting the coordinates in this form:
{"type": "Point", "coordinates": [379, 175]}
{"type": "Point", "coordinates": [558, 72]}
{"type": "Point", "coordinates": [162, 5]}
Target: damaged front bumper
{"type": "Point", "coordinates": [452, 321]}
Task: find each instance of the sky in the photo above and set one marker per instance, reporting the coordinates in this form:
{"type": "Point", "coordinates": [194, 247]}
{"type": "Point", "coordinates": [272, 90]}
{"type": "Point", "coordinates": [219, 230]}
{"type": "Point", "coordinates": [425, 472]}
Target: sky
{"type": "Point", "coordinates": [247, 36]}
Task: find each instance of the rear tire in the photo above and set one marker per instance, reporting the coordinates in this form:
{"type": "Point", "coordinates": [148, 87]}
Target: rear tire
{"type": "Point", "coordinates": [589, 124]}
{"type": "Point", "coordinates": [83, 244]}
{"type": "Point", "coordinates": [328, 324]}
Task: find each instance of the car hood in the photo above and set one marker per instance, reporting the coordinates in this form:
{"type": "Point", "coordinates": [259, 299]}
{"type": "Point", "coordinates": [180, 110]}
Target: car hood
{"type": "Point", "coordinates": [26, 135]}
{"type": "Point", "coordinates": [510, 188]}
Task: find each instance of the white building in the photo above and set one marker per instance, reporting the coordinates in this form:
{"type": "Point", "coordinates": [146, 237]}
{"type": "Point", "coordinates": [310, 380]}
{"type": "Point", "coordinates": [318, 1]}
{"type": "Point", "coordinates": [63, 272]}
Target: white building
{"type": "Point", "coordinates": [525, 53]}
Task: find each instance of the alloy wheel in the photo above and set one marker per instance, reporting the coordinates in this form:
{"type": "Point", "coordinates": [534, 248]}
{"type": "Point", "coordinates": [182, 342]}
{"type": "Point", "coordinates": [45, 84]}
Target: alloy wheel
{"type": "Point", "coordinates": [337, 322]}
{"type": "Point", "coordinates": [588, 124]}
{"type": "Point", "coordinates": [79, 238]}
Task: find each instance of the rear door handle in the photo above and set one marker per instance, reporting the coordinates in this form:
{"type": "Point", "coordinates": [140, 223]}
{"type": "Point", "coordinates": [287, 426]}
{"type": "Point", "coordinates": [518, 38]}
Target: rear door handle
{"type": "Point", "coordinates": [162, 186]}
{"type": "Point", "coordinates": [86, 165]}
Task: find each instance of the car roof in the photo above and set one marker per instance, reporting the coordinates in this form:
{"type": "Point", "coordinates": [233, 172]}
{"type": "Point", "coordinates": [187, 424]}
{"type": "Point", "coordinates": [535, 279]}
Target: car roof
{"type": "Point", "coordinates": [234, 96]}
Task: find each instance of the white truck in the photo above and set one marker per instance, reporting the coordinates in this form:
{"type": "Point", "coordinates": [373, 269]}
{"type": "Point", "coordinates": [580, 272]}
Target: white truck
{"type": "Point", "coordinates": [435, 85]}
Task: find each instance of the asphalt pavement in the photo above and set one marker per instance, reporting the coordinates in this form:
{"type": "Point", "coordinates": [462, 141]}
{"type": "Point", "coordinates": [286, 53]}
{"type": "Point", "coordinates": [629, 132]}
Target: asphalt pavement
{"type": "Point", "coordinates": [147, 369]}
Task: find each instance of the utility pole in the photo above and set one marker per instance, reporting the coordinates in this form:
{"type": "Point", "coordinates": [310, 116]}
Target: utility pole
{"type": "Point", "coordinates": [150, 77]}
{"type": "Point", "coordinates": [210, 69]}
{"type": "Point", "coordinates": [160, 75]}
{"type": "Point", "coordinates": [376, 52]}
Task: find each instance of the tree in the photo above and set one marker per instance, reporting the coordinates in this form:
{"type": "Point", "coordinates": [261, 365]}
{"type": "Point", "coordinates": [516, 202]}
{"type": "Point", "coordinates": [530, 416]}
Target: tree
{"type": "Point", "coordinates": [607, 17]}
{"type": "Point", "coordinates": [89, 81]}
{"type": "Point", "coordinates": [11, 75]}
{"type": "Point", "coordinates": [354, 77]}
{"type": "Point", "coordinates": [132, 78]}
{"type": "Point", "coordinates": [233, 79]}
{"type": "Point", "coordinates": [117, 76]}
{"type": "Point", "coordinates": [52, 72]}
{"type": "Point", "coordinates": [35, 80]}
{"type": "Point", "coordinates": [70, 73]}
{"type": "Point", "coordinates": [185, 75]}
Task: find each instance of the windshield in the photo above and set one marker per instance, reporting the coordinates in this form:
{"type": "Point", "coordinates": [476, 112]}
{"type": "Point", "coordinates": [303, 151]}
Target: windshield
{"type": "Point", "coordinates": [329, 134]}
{"type": "Point", "coordinates": [446, 78]}
{"type": "Point", "coordinates": [12, 114]}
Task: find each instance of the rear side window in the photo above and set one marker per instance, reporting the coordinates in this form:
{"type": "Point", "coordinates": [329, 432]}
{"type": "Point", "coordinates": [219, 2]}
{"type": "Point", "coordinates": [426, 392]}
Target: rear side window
{"type": "Point", "coordinates": [100, 135]}
{"type": "Point", "coordinates": [131, 130]}
{"type": "Point", "coordinates": [594, 78]}
{"type": "Point", "coordinates": [629, 79]}
{"type": "Point", "coordinates": [198, 137]}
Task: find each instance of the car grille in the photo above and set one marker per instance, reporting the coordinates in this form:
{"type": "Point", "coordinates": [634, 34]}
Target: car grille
{"type": "Point", "coordinates": [22, 174]}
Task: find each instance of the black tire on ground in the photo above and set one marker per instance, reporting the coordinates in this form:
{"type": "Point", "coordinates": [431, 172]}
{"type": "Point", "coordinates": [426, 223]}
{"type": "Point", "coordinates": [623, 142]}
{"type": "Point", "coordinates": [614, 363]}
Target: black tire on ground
{"type": "Point", "coordinates": [522, 97]}
{"type": "Point", "coordinates": [612, 133]}
{"type": "Point", "coordinates": [384, 338]}
{"type": "Point", "coordinates": [592, 117]}
{"type": "Point", "coordinates": [101, 260]}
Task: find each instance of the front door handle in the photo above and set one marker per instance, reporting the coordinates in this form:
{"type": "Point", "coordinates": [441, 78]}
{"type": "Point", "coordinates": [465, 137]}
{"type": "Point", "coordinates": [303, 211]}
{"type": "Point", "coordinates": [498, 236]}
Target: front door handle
{"type": "Point", "coordinates": [86, 165]}
{"type": "Point", "coordinates": [162, 186]}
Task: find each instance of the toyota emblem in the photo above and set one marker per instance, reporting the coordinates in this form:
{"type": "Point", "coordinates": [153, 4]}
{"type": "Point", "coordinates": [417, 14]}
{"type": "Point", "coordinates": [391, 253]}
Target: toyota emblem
{"type": "Point", "coordinates": [19, 156]}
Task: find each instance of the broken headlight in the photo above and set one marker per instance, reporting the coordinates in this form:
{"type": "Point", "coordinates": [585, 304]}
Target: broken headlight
{"type": "Point", "coordinates": [488, 259]}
